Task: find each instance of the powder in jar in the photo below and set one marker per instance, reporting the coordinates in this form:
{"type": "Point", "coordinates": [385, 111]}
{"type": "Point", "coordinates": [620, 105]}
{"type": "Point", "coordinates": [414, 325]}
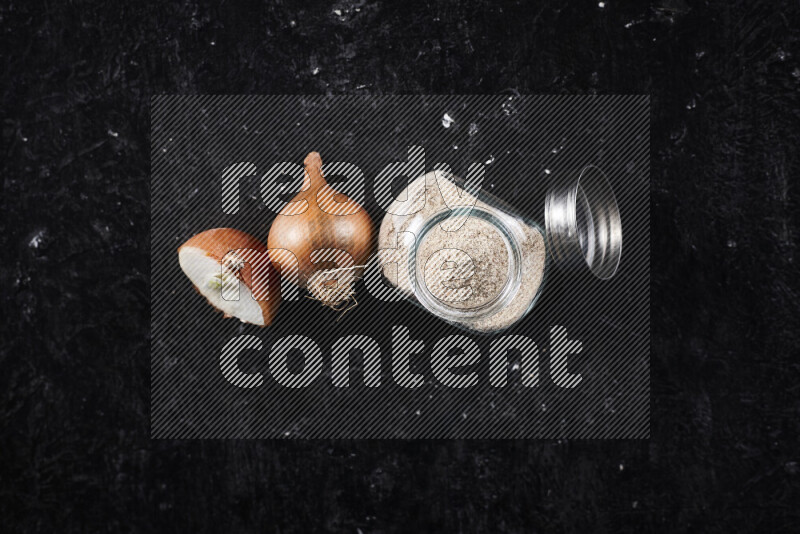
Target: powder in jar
{"type": "Point", "coordinates": [443, 257]}
{"type": "Point", "coordinates": [466, 268]}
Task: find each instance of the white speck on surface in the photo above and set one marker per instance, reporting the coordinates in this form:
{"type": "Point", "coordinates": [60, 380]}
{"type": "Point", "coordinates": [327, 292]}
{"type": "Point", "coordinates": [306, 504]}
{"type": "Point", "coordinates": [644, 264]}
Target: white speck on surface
{"type": "Point", "coordinates": [544, 407]}
{"type": "Point", "coordinates": [447, 120]}
{"type": "Point", "coordinates": [622, 467]}
{"type": "Point", "coordinates": [213, 43]}
{"type": "Point", "coordinates": [699, 54]}
{"type": "Point", "coordinates": [464, 415]}
{"type": "Point", "coordinates": [337, 12]}
{"type": "Point", "coordinates": [36, 240]}
{"type": "Point", "coordinates": [635, 505]}
{"type": "Point", "coordinates": [315, 71]}
{"type": "Point", "coordinates": [292, 23]}
{"type": "Point", "coordinates": [692, 104]}
{"type": "Point", "coordinates": [515, 367]}
{"type": "Point", "coordinates": [731, 243]}
{"type": "Point", "coordinates": [781, 54]}
{"type": "Point", "coordinates": [473, 129]}
{"type": "Point", "coordinates": [490, 160]}
{"type": "Point", "coordinates": [417, 412]}
{"type": "Point", "coordinates": [112, 133]}
{"type": "Point", "coordinates": [547, 171]}
{"type": "Point", "coordinates": [601, 5]}
{"type": "Point", "coordinates": [455, 147]}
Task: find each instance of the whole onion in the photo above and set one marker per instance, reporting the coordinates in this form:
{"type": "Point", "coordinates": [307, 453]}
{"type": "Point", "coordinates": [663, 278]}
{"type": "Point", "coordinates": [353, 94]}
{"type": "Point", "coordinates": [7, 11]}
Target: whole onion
{"type": "Point", "coordinates": [331, 221]}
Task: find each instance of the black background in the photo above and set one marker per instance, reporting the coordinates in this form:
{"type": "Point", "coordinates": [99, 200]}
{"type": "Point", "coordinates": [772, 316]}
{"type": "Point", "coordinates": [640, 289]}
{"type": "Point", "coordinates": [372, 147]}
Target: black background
{"type": "Point", "coordinates": [76, 455]}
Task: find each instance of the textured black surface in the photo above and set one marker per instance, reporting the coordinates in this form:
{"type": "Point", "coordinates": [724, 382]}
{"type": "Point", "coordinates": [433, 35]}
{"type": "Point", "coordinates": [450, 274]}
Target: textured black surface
{"type": "Point", "coordinates": [75, 453]}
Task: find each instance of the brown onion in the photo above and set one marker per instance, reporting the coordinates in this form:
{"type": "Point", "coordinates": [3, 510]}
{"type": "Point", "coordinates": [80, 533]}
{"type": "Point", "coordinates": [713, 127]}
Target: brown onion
{"type": "Point", "coordinates": [343, 224]}
{"type": "Point", "coordinates": [218, 260]}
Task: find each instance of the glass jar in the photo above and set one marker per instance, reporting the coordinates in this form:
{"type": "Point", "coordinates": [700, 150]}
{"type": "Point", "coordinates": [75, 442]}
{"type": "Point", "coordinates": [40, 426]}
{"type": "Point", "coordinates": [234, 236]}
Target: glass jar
{"type": "Point", "coordinates": [474, 261]}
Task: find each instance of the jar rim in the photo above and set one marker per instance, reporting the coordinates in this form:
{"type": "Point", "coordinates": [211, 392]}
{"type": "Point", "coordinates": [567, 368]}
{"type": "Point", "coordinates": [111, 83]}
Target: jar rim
{"type": "Point", "coordinates": [506, 228]}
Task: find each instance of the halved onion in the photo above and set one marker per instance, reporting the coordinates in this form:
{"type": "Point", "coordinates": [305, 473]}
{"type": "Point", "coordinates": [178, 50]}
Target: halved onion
{"type": "Point", "coordinates": [232, 270]}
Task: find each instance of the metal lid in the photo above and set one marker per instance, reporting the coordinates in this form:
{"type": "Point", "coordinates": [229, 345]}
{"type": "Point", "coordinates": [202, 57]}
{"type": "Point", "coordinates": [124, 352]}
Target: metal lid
{"type": "Point", "coordinates": [582, 222]}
